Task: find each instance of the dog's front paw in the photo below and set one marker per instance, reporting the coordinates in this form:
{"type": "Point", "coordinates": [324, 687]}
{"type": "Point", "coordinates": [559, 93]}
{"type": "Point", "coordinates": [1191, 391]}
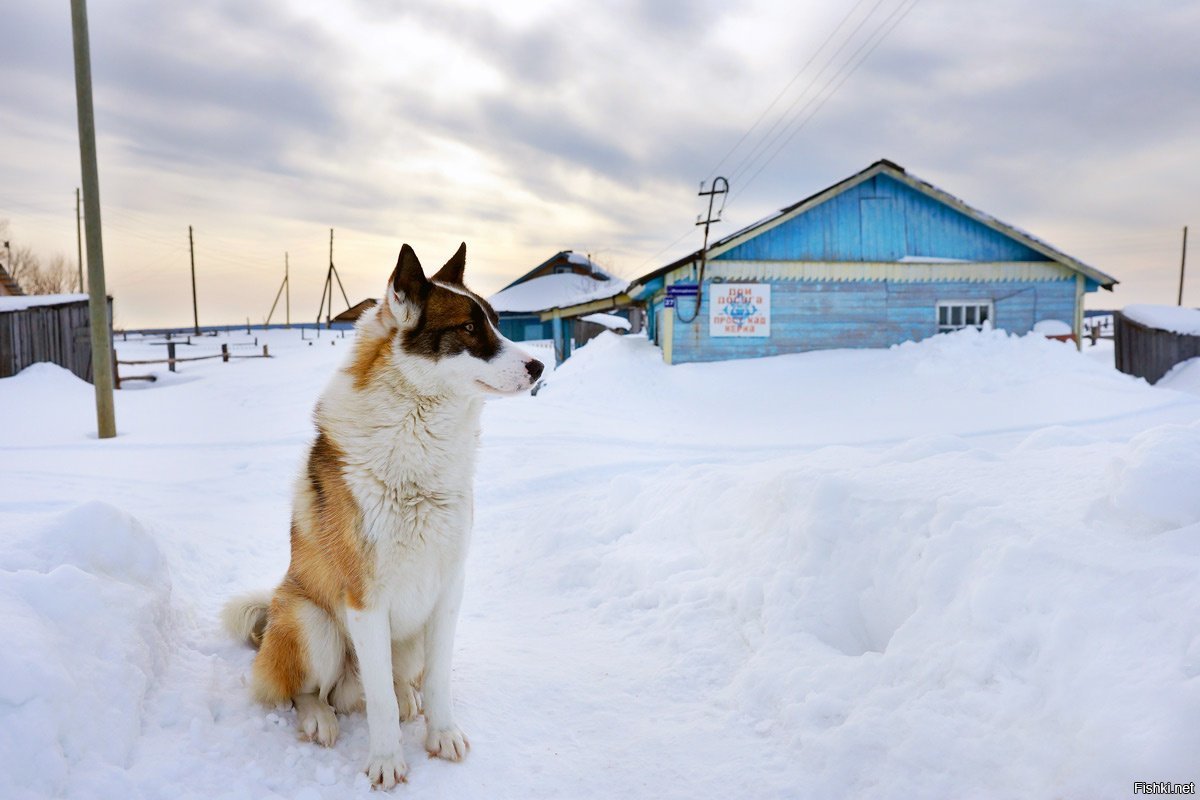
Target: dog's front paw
{"type": "Point", "coordinates": [448, 743]}
{"type": "Point", "coordinates": [386, 771]}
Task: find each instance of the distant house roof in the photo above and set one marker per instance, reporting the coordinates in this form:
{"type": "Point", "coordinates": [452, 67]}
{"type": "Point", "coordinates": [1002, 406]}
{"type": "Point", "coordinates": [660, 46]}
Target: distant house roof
{"type": "Point", "coordinates": [898, 173]}
{"type": "Point", "coordinates": [564, 279]}
{"type": "Point", "coordinates": [554, 291]}
{"type": "Point", "coordinates": [24, 301]}
{"type": "Point", "coordinates": [8, 284]}
{"type": "Point", "coordinates": [564, 261]}
{"type": "Point", "coordinates": [355, 311]}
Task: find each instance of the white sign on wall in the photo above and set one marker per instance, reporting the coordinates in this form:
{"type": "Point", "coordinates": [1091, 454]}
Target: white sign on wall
{"type": "Point", "coordinates": [739, 309]}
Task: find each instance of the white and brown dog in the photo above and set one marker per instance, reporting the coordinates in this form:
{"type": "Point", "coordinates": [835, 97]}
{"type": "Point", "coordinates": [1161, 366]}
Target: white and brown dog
{"type": "Point", "coordinates": [381, 521]}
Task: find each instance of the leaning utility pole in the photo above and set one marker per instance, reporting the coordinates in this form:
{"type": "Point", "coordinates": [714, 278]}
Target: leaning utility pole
{"type": "Point", "coordinates": [102, 360]}
{"type": "Point", "coordinates": [1182, 264]}
{"type": "Point", "coordinates": [195, 311]}
{"type": "Point", "coordinates": [78, 240]}
{"type": "Point", "coordinates": [330, 274]}
{"type": "Point", "coordinates": [282, 287]}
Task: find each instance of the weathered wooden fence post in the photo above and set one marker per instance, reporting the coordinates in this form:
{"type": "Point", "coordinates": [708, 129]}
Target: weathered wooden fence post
{"type": "Point", "coordinates": [225, 353]}
{"type": "Point", "coordinates": [171, 356]}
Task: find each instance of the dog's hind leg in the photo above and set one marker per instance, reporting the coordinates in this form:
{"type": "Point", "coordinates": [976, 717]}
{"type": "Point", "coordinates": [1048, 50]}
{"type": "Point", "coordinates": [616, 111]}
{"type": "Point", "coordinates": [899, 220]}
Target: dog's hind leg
{"type": "Point", "coordinates": [347, 695]}
{"type": "Point", "coordinates": [302, 659]}
{"type": "Point", "coordinates": [408, 663]}
{"type": "Point", "coordinates": [326, 646]}
{"type": "Point", "coordinates": [315, 718]}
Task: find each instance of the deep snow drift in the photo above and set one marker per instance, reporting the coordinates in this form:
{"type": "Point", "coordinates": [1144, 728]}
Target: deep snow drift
{"type": "Point", "coordinates": [963, 567]}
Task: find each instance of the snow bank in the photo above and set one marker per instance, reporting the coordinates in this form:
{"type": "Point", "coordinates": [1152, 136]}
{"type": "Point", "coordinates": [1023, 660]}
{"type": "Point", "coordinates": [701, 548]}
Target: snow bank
{"type": "Point", "coordinates": [1166, 318]}
{"type": "Point", "coordinates": [84, 596]}
{"type": "Point", "coordinates": [1183, 377]}
{"type": "Point", "coordinates": [1052, 327]}
{"type": "Point", "coordinates": [1157, 481]}
{"type": "Point", "coordinates": [964, 567]}
{"type": "Point", "coordinates": [52, 403]}
{"type": "Point", "coordinates": [943, 623]}
{"type": "Point", "coordinates": [966, 383]}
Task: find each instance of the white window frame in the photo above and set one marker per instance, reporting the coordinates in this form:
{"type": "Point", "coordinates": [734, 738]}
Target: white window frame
{"type": "Point", "coordinates": [967, 310]}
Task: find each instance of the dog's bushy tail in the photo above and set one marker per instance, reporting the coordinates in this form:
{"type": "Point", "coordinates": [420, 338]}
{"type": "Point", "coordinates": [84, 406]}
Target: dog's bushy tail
{"type": "Point", "coordinates": [245, 617]}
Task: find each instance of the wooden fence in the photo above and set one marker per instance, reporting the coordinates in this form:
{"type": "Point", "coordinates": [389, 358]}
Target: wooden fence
{"type": "Point", "coordinates": [1148, 352]}
{"type": "Point", "coordinates": [171, 360]}
{"type": "Point", "coordinates": [59, 333]}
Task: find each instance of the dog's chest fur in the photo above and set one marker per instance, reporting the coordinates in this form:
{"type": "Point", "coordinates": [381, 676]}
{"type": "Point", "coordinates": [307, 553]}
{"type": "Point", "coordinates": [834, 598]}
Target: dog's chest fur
{"type": "Point", "coordinates": [409, 463]}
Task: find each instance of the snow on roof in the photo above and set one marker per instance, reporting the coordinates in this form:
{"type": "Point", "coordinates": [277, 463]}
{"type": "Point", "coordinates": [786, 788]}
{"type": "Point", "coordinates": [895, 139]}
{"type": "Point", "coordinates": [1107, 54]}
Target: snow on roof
{"type": "Point", "coordinates": [580, 258]}
{"type": "Point", "coordinates": [22, 302]}
{"type": "Point", "coordinates": [570, 257]}
{"type": "Point", "coordinates": [610, 321]}
{"type": "Point", "coordinates": [1166, 318]}
{"type": "Point", "coordinates": [555, 291]}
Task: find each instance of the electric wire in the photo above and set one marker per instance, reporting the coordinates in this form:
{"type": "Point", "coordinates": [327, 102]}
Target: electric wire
{"type": "Point", "coordinates": [767, 138]}
{"type": "Point", "coordinates": [713, 172]}
{"type": "Point", "coordinates": [881, 33]}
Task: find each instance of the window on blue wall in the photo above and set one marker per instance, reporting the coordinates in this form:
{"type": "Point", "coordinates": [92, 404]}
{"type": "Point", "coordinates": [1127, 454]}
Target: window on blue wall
{"type": "Point", "coordinates": [953, 315]}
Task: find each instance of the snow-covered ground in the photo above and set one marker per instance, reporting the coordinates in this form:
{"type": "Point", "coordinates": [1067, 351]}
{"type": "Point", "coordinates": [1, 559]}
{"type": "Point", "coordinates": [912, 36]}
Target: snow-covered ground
{"type": "Point", "coordinates": [966, 567]}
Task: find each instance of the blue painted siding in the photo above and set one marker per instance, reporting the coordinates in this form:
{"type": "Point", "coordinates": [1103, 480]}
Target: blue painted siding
{"type": "Point", "coordinates": [881, 219]}
{"type": "Point", "coordinates": [524, 327]}
{"type": "Point", "coordinates": [820, 315]}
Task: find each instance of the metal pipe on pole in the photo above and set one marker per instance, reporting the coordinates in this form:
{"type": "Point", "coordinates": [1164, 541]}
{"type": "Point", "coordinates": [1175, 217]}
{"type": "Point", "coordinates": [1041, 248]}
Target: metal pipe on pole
{"type": "Point", "coordinates": [1182, 265]}
{"type": "Point", "coordinates": [102, 361]}
{"type": "Point", "coordinates": [79, 239]}
{"type": "Point", "coordinates": [195, 311]}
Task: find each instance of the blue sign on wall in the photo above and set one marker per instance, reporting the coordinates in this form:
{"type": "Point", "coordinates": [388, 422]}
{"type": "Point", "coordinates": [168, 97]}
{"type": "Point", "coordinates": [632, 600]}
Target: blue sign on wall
{"type": "Point", "coordinates": [682, 290]}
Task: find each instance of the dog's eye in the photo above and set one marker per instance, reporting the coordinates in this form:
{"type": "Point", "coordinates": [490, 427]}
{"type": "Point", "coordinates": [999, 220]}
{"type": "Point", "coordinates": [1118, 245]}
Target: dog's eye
{"type": "Point", "coordinates": [469, 327]}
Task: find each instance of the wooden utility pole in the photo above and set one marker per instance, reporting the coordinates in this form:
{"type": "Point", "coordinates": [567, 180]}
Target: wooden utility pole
{"type": "Point", "coordinates": [1182, 265]}
{"type": "Point", "coordinates": [720, 186]}
{"type": "Point", "coordinates": [195, 311]}
{"type": "Point", "coordinates": [285, 286]}
{"type": "Point", "coordinates": [330, 274]}
{"type": "Point", "coordinates": [102, 360]}
{"type": "Point", "coordinates": [78, 239]}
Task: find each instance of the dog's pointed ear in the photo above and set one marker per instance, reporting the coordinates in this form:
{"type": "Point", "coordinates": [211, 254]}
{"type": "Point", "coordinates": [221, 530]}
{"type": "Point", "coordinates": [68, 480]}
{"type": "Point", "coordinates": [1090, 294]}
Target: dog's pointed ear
{"type": "Point", "coordinates": [452, 271]}
{"type": "Point", "coordinates": [408, 280]}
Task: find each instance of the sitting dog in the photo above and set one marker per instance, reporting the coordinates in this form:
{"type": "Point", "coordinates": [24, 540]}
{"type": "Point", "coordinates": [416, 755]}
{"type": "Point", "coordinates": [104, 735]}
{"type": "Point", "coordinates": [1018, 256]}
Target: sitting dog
{"type": "Point", "coordinates": [381, 520]}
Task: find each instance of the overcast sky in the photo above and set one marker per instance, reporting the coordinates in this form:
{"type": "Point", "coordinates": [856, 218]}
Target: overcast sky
{"type": "Point", "coordinates": [527, 128]}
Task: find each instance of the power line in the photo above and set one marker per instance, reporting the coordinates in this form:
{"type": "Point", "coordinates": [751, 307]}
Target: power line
{"type": "Point", "coordinates": [783, 91]}
{"type": "Point", "coordinates": [883, 31]}
{"type": "Point", "coordinates": [767, 139]}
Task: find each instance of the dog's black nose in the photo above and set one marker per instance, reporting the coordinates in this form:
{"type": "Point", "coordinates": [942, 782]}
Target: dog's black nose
{"type": "Point", "coordinates": [534, 368]}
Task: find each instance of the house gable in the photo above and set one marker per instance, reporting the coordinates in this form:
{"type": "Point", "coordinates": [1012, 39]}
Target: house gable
{"type": "Point", "coordinates": [878, 218]}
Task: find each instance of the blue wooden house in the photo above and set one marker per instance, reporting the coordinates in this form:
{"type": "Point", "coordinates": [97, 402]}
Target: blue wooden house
{"type": "Point", "coordinates": [879, 258]}
{"type": "Point", "coordinates": [566, 278]}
